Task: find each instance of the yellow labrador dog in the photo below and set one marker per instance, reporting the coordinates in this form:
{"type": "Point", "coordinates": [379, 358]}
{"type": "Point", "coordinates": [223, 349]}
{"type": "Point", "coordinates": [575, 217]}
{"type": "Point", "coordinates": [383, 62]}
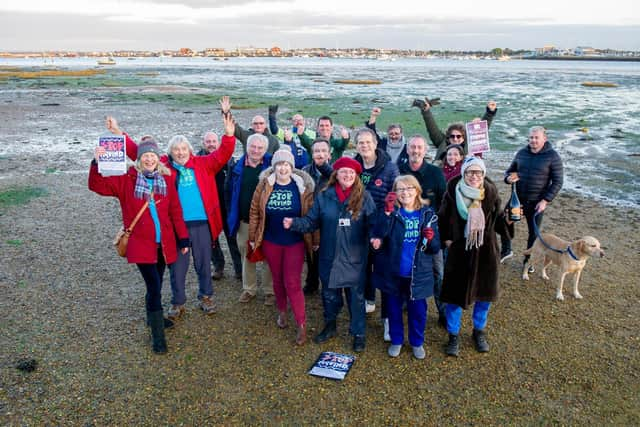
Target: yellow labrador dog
{"type": "Point", "coordinates": [571, 258]}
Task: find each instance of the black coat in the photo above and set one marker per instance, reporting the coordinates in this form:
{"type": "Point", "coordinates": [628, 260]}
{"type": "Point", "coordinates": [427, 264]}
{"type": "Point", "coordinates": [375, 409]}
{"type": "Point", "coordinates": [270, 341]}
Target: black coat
{"type": "Point", "coordinates": [541, 174]}
{"type": "Point", "coordinates": [471, 275]}
{"type": "Point", "coordinates": [344, 242]}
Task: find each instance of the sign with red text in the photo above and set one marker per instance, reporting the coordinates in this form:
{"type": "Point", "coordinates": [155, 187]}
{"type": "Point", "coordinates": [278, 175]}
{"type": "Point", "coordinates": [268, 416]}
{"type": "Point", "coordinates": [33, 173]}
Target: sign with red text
{"type": "Point", "coordinates": [114, 160]}
{"type": "Point", "coordinates": [332, 365]}
{"type": "Point", "coordinates": [477, 137]}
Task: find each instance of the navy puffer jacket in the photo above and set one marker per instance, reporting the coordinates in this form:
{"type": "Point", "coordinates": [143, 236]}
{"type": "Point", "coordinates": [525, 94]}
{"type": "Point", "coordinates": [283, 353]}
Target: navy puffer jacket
{"type": "Point", "coordinates": [540, 173]}
{"type": "Point", "coordinates": [387, 265]}
{"type": "Point", "coordinates": [382, 176]}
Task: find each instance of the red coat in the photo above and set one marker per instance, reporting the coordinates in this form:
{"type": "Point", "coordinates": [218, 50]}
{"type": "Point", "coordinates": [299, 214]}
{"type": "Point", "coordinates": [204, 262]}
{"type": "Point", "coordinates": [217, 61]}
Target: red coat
{"type": "Point", "coordinates": [142, 243]}
{"type": "Point", "coordinates": [205, 169]}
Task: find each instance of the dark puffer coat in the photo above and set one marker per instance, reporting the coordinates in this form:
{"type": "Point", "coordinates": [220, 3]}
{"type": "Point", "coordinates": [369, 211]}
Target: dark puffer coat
{"type": "Point", "coordinates": [472, 275]}
{"type": "Point", "coordinates": [383, 174]}
{"type": "Point", "coordinates": [541, 173]}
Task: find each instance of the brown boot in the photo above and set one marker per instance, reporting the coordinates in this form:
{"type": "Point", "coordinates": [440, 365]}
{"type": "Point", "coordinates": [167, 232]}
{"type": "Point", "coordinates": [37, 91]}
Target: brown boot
{"type": "Point", "coordinates": [301, 336]}
{"type": "Point", "coordinates": [282, 320]}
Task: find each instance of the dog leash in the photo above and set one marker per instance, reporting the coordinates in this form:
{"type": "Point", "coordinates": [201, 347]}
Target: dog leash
{"type": "Point", "coordinates": [539, 236]}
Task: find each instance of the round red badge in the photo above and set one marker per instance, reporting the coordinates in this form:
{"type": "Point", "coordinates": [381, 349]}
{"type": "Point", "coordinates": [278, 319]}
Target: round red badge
{"type": "Point", "coordinates": [378, 182]}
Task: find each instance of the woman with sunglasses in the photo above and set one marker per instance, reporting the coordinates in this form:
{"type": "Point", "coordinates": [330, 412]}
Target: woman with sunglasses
{"type": "Point", "coordinates": [469, 218]}
{"type": "Point", "coordinates": [455, 133]}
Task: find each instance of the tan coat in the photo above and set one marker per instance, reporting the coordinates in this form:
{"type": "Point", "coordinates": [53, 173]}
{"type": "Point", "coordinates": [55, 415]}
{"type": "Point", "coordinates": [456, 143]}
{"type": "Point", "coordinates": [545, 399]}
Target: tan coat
{"type": "Point", "coordinates": [257, 217]}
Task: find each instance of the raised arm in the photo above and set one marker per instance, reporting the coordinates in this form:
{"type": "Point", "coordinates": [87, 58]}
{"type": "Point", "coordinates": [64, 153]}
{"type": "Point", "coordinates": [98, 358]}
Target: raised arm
{"type": "Point", "coordinates": [371, 123]}
{"type": "Point", "coordinates": [273, 123]}
{"type": "Point", "coordinates": [219, 158]}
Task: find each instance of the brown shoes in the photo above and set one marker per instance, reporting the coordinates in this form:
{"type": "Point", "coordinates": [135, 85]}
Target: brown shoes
{"type": "Point", "coordinates": [301, 336]}
{"type": "Point", "coordinates": [217, 275]}
{"type": "Point", "coordinates": [207, 305]}
{"type": "Point", "coordinates": [176, 311]}
{"type": "Point", "coordinates": [246, 296]}
{"type": "Point", "coordinates": [269, 299]}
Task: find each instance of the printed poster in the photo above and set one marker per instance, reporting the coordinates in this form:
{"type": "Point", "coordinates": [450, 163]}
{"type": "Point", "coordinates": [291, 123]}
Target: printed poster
{"type": "Point", "coordinates": [332, 365]}
{"type": "Point", "coordinates": [478, 137]}
{"type": "Point", "coordinates": [114, 161]}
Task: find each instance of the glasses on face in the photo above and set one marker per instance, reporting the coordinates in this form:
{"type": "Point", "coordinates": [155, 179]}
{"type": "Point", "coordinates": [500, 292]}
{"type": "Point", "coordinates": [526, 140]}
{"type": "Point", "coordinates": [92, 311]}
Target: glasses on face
{"type": "Point", "coordinates": [455, 136]}
{"type": "Point", "coordinates": [405, 189]}
{"type": "Point", "coordinates": [473, 173]}
{"type": "Point", "coordinates": [258, 123]}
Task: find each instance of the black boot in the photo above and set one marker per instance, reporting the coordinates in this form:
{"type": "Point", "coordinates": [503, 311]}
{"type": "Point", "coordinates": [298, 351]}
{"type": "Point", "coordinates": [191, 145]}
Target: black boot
{"type": "Point", "coordinates": [310, 289]}
{"type": "Point", "coordinates": [327, 333]}
{"type": "Point", "coordinates": [452, 346]}
{"type": "Point", "coordinates": [156, 321]}
{"type": "Point", "coordinates": [168, 323]}
{"type": "Point", "coordinates": [480, 340]}
{"type": "Point", "coordinates": [358, 343]}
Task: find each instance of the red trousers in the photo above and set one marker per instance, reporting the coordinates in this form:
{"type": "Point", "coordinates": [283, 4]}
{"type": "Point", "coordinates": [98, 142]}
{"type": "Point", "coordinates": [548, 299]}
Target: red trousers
{"type": "Point", "coordinates": [285, 263]}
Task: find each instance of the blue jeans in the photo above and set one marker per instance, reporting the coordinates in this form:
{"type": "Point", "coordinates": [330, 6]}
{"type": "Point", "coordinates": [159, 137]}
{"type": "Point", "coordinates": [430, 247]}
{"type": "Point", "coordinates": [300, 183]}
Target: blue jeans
{"type": "Point", "coordinates": [201, 251]}
{"type": "Point", "coordinates": [454, 316]}
{"type": "Point", "coordinates": [332, 303]}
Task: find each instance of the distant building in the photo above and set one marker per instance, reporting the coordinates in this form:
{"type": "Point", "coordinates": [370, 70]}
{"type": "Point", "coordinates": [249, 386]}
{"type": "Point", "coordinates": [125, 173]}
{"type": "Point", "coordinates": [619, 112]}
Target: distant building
{"type": "Point", "coordinates": [214, 51]}
{"type": "Point", "coordinates": [585, 51]}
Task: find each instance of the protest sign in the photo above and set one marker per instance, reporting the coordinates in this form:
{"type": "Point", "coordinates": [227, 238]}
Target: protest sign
{"type": "Point", "coordinates": [332, 365]}
{"type": "Point", "coordinates": [114, 161]}
{"type": "Point", "coordinates": [477, 137]}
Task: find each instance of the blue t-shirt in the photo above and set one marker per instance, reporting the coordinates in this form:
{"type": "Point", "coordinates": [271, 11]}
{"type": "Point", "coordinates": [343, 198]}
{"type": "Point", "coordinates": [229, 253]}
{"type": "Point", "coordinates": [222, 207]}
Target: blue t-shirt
{"type": "Point", "coordinates": [154, 212]}
{"type": "Point", "coordinates": [189, 195]}
{"type": "Point", "coordinates": [284, 201]}
{"type": "Point", "coordinates": [411, 236]}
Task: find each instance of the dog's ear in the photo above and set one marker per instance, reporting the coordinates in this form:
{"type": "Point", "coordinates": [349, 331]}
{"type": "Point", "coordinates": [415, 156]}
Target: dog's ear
{"type": "Point", "coordinates": [580, 246]}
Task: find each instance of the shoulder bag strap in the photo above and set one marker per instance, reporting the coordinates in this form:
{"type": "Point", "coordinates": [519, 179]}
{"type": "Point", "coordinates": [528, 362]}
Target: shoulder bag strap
{"type": "Point", "coordinates": [139, 214]}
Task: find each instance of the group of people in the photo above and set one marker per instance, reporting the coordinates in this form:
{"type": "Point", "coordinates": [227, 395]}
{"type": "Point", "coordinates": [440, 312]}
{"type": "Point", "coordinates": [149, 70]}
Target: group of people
{"type": "Point", "coordinates": [386, 219]}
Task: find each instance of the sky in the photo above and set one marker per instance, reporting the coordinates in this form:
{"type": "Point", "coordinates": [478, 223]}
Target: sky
{"type": "Point", "coordinates": [102, 25]}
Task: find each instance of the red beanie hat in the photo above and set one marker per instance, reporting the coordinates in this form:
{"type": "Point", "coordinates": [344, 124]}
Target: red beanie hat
{"type": "Point", "coordinates": [347, 162]}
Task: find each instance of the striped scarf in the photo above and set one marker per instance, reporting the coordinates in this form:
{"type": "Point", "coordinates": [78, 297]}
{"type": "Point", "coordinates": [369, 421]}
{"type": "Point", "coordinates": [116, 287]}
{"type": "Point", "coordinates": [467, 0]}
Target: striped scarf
{"type": "Point", "coordinates": [142, 190]}
{"type": "Point", "coordinates": [469, 204]}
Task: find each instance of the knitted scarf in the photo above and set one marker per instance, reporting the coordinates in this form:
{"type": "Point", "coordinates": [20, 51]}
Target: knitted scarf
{"type": "Point", "coordinates": [142, 190]}
{"type": "Point", "coordinates": [451, 171]}
{"type": "Point", "coordinates": [342, 194]}
{"type": "Point", "coordinates": [469, 204]}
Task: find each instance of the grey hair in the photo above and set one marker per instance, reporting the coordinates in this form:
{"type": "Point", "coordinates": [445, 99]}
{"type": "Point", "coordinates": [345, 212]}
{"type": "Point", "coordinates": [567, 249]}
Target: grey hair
{"type": "Point", "coordinates": [363, 131]}
{"type": "Point", "coordinates": [534, 129]}
{"type": "Point", "coordinates": [179, 139]}
{"type": "Point", "coordinates": [209, 132]}
{"type": "Point", "coordinates": [394, 126]}
{"type": "Point", "coordinates": [257, 137]}
{"type": "Point", "coordinates": [418, 136]}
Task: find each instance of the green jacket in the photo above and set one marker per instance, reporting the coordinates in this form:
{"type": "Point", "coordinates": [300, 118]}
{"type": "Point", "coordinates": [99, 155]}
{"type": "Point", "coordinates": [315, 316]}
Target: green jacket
{"type": "Point", "coordinates": [338, 145]}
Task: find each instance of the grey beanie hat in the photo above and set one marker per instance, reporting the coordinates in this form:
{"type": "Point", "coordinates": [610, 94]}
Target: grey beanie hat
{"type": "Point", "coordinates": [471, 161]}
{"type": "Point", "coordinates": [149, 145]}
{"type": "Point", "coordinates": [283, 155]}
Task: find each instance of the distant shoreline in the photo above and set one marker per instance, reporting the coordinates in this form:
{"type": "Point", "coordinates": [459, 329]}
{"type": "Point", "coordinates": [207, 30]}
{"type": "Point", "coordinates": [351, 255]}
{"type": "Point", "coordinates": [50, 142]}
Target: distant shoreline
{"type": "Point", "coordinates": [584, 58]}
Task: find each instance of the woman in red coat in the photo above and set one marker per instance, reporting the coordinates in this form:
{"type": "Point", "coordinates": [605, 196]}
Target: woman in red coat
{"type": "Point", "coordinates": [152, 244]}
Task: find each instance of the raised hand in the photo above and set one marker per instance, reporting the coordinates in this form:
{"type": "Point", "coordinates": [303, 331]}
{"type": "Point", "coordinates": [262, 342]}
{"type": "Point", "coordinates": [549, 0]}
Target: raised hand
{"type": "Point", "coordinates": [288, 135]}
{"type": "Point", "coordinates": [229, 124]}
{"type": "Point", "coordinates": [225, 104]}
{"type": "Point", "coordinates": [112, 125]}
{"type": "Point", "coordinates": [344, 133]}
{"type": "Point", "coordinates": [376, 243]}
{"type": "Point", "coordinates": [492, 105]}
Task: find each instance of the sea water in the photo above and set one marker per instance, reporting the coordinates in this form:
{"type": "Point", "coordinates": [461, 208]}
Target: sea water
{"type": "Point", "coordinates": [595, 130]}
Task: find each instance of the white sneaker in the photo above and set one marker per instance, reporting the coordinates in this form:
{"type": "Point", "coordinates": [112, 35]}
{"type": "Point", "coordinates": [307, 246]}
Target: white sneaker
{"type": "Point", "coordinates": [370, 306]}
{"type": "Point", "coordinates": [418, 352]}
{"type": "Point", "coordinates": [387, 336]}
{"type": "Point", "coordinates": [394, 350]}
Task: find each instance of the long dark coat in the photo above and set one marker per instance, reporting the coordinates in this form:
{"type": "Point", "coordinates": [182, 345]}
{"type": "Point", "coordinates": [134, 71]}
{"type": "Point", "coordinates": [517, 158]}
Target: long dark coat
{"type": "Point", "coordinates": [472, 275]}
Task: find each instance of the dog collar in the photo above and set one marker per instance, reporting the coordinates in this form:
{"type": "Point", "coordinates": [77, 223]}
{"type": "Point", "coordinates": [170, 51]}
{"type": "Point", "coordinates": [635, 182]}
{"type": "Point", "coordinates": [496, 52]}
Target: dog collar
{"type": "Point", "coordinates": [571, 254]}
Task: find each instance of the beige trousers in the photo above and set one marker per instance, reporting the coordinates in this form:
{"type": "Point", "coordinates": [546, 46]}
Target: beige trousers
{"type": "Point", "coordinates": [249, 277]}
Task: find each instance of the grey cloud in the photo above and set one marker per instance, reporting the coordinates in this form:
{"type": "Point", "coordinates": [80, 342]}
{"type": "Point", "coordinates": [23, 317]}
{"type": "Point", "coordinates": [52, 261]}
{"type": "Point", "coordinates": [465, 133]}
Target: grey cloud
{"type": "Point", "coordinates": [205, 4]}
{"type": "Point", "coordinates": [19, 32]}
